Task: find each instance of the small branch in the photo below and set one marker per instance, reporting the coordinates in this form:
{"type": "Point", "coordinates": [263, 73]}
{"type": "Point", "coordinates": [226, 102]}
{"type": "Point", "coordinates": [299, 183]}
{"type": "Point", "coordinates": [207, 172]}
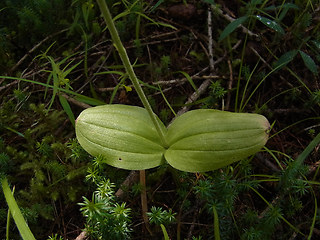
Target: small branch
{"type": "Point", "coordinates": [174, 82]}
{"type": "Point", "coordinates": [9, 84]}
{"type": "Point", "coordinates": [76, 102]}
{"type": "Point", "coordinates": [203, 87]}
{"type": "Point", "coordinates": [195, 215]}
{"type": "Point", "coordinates": [229, 85]}
{"type": "Point", "coordinates": [133, 177]}
{"type": "Point", "coordinates": [210, 43]}
{"type": "Point", "coordinates": [82, 236]}
{"type": "Point", "coordinates": [261, 58]}
{"type": "Point", "coordinates": [267, 162]}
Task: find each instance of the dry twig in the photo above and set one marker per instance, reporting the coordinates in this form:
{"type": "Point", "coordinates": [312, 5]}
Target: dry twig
{"type": "Point", "coordinates": [82, 236]}
{"type": "Point", "coordinates": [229, 85]}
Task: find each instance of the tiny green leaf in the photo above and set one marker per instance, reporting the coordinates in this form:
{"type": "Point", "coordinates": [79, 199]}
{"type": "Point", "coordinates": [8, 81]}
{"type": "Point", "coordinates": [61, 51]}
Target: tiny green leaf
{"type": "Point", "coordinates": [232, 26]}
{"type": "Point", "coordinates": [156, 5]}
{"type": "Point", "coordinates": [308, 62]}
{"type": "Point", "coordinates": [67, 108]}
{"type": "Point", "coordinates": [271, 24]}
{"type": "Point", "coordinates": [285, 58]}
{"type": "Point", "coordinates": [187, 76]}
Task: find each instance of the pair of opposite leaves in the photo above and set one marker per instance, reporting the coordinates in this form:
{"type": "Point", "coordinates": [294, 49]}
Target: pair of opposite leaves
{"type": "Point", "coordinates": [198, 141]}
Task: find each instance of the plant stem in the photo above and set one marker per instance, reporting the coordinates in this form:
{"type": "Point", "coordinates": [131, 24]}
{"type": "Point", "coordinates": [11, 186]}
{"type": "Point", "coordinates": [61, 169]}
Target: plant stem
{"type": "Point", "coordinates": [126, 62]}
{"type": "Point", "coordinates": [144, 202]}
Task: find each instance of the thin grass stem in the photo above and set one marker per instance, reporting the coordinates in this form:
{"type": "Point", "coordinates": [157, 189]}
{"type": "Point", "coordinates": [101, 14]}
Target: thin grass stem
{"type": "Point", "coordinates": [271, 206]}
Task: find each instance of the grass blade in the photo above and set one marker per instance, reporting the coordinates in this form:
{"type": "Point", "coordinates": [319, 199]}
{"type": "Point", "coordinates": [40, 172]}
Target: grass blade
{"type": "Point", "coordinates": [187, 76]}
{"type": "Point", "coordinates": [110, 72]}
{"type": "Point", "coordinates": [246, 86]}
{"type": "Point", "coordinates": [67, 109]}
{"type": "Point", "coordinates": [300, 159]}
{"type": "Point", "coordinates": [79, 97]}
{"type": "Point", "coordinates": [156, 23]}
{"type": "Point", "coordinates": [55, 74]}
{"type": "Point", "coordinates": [165, 99]}
{"type": "Point", "coordinates": [23, 228]}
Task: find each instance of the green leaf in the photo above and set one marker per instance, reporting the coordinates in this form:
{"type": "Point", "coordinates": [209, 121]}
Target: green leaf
{"type": "Point", "coordinates": [124, 135]}
{"type": "Point", "coordinates": [285, 59]}
{"type": "Point", "coordinates": [156, 5]}
{"type": "Point", "coordinates": [309, 63]}
{"type": "Point", "coordinates": [232, 26]}
{"type": "Point", "coordinates": [200, 140]}
{"type": "Point", "coordinates": [271, 24]}
{"type": "Point", "coordinates": [206, 139]}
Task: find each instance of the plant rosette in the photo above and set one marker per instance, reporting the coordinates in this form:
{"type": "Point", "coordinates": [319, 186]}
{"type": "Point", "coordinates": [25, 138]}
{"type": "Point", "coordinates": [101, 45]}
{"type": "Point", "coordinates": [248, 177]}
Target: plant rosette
{"type": "Point", "coordinates": [198, 141]}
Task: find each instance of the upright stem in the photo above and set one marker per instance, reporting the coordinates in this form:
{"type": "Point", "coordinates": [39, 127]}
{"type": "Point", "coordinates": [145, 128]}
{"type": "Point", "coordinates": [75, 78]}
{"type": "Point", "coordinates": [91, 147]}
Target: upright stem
{"type": "Point", "coordinates": [126, 62]}
{"type": "Point", "coordinates": [144, 202]}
